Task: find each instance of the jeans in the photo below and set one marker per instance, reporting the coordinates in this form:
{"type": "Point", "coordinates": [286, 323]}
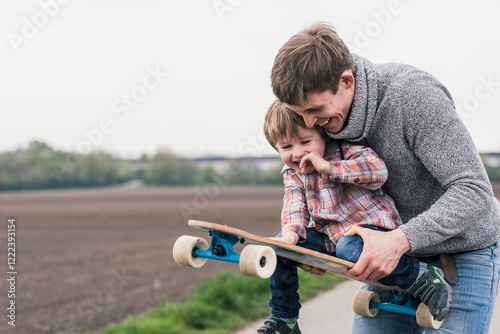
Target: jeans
{"type": "Point", "coordinates": [285, 282]}
{"type": "Point", "coordinates": [471, 310]}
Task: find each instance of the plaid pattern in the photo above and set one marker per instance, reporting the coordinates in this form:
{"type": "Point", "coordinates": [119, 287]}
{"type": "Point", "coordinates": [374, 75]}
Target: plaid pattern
{"type": "Point", "coordinates": [351, 195]}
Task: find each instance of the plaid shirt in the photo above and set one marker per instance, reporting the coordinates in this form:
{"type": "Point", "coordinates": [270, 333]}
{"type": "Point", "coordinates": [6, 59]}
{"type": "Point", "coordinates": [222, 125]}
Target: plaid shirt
{"type": "Point", "coordinates": [351, 195]}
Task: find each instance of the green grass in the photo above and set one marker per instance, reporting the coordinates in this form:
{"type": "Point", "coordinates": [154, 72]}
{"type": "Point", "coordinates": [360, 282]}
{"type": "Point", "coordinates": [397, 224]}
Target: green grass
{"type": "Point", "coordinates": [224, 303]}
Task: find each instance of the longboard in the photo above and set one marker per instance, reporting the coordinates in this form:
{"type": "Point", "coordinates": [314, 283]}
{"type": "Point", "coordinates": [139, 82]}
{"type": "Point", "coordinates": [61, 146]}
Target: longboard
{"type": "Point", "coordinates": [258, 259]}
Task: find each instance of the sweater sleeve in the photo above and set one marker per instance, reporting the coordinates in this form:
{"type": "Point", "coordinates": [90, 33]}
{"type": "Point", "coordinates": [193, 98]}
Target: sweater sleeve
{"type": "Point", "coordinates": [439, 139]}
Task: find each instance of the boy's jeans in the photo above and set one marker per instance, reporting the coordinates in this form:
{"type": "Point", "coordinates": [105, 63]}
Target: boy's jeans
{"type": "Point", "coordinates": [471, 310]}
{"type": "Point", "coordinates": [285, 283]}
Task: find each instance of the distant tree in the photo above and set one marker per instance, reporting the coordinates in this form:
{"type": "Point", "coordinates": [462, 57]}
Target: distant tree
{"type": "Point", "coordinates": [272, 176]}
{"type": "Point", "coordinates": [242, 172]}
{"type": "Point", "coordinates": [492, 170]}
{"type": "Point", "coordinates": [167, 168]}
{"type": "Point", "coordinates": [493, 173]}
{"type": "Point", "coordinates": [96, 169]}
{"type": "Point", "coordinates": [40, 166]}
{"type": "Point", "coordinates": [207, 175]}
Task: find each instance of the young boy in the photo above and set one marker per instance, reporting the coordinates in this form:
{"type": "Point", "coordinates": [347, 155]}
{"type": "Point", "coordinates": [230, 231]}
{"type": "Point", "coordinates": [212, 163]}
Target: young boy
{"type": "Point", "coordinates": [330, 187]}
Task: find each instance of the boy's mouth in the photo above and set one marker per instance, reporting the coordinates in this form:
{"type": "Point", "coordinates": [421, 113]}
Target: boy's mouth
{"type": "Point", "coordinates": [297, 164]}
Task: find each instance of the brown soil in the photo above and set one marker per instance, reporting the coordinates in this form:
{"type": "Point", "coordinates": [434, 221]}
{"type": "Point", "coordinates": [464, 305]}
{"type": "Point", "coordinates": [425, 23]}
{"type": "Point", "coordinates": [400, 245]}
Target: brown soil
{"type": "Point", "coordinates": [89, 257]}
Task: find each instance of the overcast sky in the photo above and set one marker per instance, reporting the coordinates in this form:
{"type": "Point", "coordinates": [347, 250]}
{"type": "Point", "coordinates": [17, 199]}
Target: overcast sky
{"type": "Point", "coordinates": [132, 77]}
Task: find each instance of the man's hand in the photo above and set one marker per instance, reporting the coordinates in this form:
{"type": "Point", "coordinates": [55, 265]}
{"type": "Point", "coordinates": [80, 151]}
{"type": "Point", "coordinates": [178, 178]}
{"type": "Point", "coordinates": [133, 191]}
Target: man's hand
{"type": "Point", "coordinates": [381, 253]}
{"type": "Point", "coordinates": [315, 159]}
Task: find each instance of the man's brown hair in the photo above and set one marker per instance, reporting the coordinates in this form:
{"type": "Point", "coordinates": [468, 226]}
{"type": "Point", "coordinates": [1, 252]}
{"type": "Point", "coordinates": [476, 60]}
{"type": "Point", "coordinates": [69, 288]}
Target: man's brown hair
{"type": "Point", "coordinates": [281, 122]}
{"type": "Point", "coordinates": [310, 61]}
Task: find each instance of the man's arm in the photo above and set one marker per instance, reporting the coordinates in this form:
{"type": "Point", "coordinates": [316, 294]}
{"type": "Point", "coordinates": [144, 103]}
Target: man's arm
{"type": "Point", "coordinates": [443, 145]}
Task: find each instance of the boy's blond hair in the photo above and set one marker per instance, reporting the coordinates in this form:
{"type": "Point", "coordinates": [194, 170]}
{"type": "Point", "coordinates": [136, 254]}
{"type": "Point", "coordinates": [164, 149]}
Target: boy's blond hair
{"type": "Point", "coordinates": [282, 122]}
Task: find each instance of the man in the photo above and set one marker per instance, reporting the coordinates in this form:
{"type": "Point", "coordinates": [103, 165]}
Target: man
{"type": "Point", "coordinates": [436, 177]}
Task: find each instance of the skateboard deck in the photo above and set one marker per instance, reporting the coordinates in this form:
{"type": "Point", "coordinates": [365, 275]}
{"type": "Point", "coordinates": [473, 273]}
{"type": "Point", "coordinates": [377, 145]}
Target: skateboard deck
{"type": "Point", "coordinates": [296, 253]}
{"type": "Point", "coordinates": [258, 259]}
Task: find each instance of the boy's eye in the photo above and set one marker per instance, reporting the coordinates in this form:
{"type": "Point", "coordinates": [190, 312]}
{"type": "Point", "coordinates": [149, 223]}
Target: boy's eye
{"type": "Point", "coordinates": [286, 147]}
{"type": "Point", "coordinates": [305, 142]}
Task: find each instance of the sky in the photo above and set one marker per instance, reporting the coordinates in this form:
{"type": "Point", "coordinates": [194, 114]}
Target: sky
{"type": "Point", "coordinates": [193, 77]}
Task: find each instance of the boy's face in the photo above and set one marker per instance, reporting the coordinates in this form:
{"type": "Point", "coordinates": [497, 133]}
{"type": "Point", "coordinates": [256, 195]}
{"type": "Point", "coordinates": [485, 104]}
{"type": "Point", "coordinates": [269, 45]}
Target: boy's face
{"type": "Point", "coordinates": [292, 150]}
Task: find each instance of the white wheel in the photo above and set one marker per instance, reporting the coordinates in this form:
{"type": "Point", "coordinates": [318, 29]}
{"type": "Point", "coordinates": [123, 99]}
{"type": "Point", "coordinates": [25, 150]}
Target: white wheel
{"type": "Point", "coordinates": [425, 318]}
{"type": "Point", "coordinates": [361, 303]}
{"type": "Point", "coordinates": [258, 261]}
{"type": "Point", "coordinates": [183, 251]}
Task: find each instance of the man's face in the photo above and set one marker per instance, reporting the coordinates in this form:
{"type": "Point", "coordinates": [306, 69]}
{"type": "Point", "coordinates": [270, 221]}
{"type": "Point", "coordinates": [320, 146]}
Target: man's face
{"type": "Point", "coordinates": [327, 109]}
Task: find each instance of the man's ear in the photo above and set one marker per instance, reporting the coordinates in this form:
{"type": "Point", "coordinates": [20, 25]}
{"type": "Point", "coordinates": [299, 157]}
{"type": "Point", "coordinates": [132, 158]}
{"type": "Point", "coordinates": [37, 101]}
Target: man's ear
{"type": "Point", "coordinates": [347, 78]}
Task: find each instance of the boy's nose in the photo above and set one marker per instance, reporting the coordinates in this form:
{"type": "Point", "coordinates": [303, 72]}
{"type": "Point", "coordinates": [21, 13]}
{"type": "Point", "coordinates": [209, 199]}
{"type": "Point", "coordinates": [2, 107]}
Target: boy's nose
{"type": "Point", "coordinates": [298, 152]}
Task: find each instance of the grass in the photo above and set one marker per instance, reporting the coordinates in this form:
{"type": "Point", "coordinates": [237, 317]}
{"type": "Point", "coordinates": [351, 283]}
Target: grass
{"type": "Point", "coordinates": [224, 303]}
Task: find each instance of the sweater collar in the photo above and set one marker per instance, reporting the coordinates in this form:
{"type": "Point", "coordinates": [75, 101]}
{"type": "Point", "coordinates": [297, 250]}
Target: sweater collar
{"type": "Point", "coordinates": [364, 105]}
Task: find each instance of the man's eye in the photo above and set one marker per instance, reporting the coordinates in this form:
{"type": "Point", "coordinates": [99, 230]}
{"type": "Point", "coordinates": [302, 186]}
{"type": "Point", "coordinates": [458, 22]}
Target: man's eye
{"type": "Point", "coordinates": [312, 110]}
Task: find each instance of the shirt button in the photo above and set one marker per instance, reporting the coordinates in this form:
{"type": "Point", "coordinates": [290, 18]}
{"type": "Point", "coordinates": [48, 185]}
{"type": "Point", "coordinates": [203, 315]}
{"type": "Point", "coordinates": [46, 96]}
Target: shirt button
{"type": "Point", "coordinates": [308, 187]}
{"type": "Point", "coordinates": [337, 178]}
{"type": "Point", "coordinates": [310, 209]}
{"type": "Point", "coordinates": [356, 180]}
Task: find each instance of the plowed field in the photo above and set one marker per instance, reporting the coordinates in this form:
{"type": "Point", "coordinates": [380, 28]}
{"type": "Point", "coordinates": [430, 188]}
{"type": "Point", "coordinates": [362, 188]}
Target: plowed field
{"type": "Point", "coordinates": [89, 257]}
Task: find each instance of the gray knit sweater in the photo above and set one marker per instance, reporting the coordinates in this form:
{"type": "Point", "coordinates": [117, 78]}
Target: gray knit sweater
{"type": "Point", "coordinates": [436, 177]}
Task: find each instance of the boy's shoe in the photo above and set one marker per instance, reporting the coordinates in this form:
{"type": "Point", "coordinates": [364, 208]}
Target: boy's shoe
{"type": "Point", "coordinates": [432, 289]}
{"type": "Point", "coordinates": [275, 325]}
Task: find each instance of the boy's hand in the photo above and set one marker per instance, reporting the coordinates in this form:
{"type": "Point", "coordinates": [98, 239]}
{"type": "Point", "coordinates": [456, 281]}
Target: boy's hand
{"type": "Point", "coordinates": [289, 238]}
{"type": "Point", "coordinates": [316, 160]}
{"type": "Point", "coordinates": [311, 269]}
{"type": "Point", "coordinates": [292, 238]}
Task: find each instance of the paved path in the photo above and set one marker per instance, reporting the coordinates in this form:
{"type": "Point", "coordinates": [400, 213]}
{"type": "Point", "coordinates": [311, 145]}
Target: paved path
{"type": "Point", "coordinates": [334, 307]}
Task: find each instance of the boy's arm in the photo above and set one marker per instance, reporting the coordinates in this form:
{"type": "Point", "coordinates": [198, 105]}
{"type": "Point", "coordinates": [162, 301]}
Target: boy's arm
{"type": "Point", "coordinates": [362, 167]}
{"type": "Point", "coordinates": [294, 216]}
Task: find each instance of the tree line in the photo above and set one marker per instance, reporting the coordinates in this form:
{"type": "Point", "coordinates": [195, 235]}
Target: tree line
{"type": "Point", "coordinates": [39, 166]}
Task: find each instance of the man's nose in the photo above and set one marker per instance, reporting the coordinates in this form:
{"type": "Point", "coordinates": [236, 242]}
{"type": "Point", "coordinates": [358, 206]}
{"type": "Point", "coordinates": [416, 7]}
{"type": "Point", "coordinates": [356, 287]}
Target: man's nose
{"type": "Point", "coordinates": [310, 120]}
